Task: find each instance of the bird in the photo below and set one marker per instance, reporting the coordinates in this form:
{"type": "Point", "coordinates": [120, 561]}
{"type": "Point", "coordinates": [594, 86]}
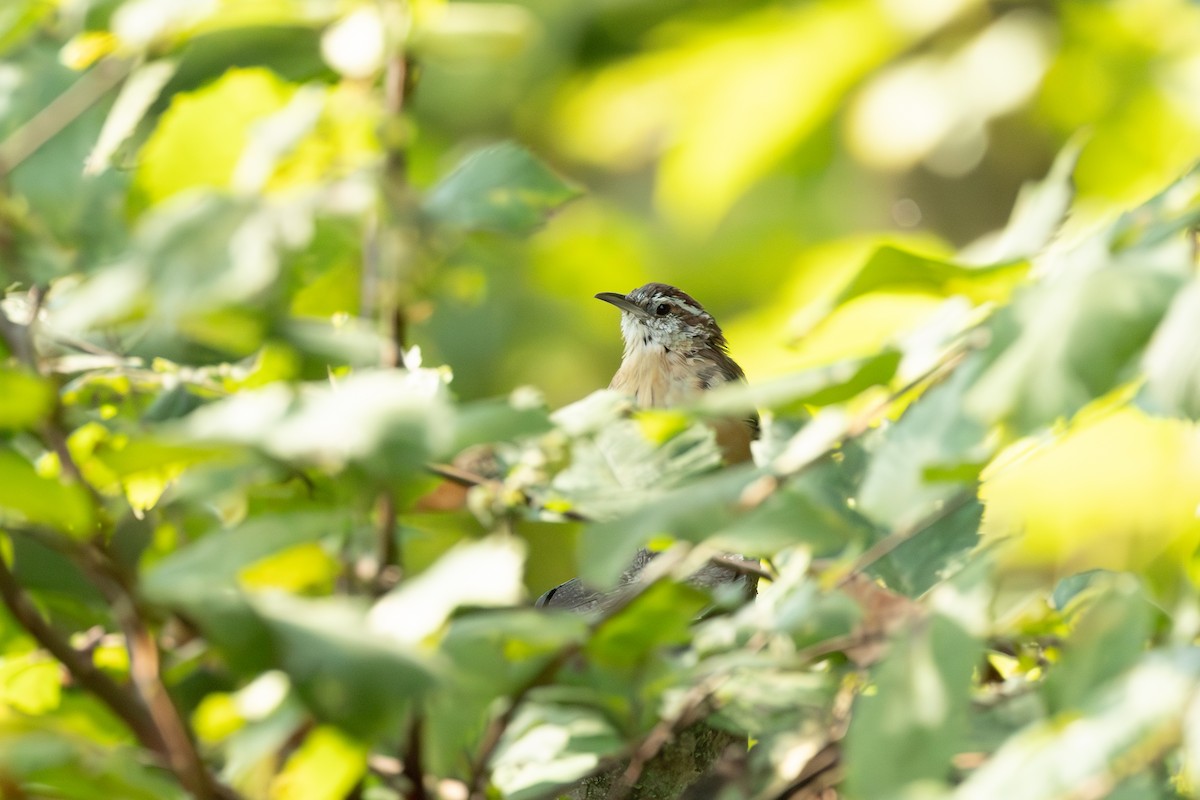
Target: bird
{"type": "Point", "coordinates": [674, 350]}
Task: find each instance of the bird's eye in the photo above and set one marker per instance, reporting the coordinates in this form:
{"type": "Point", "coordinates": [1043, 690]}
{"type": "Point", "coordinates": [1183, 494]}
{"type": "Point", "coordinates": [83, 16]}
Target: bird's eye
{"type": "Point", "coordinates": [662, 309]}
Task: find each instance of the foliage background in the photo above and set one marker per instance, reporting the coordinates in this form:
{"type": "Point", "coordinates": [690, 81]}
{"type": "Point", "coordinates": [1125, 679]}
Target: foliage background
{"type": "Point", "coordinates": [228, 565]}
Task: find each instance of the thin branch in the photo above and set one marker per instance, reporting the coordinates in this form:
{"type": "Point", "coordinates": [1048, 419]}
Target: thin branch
{"type": "Point", "coordinates": [148, 710]}
{"type": "Point", "coordinates": [123, 703]}
{"type": "Point", "coordinates": [145, 670]}
{"type": "Point", "coordinates": [693, 708]}
{"type": "Point", "coordinates": [61, 112]}
{"type": "Point", "coordinates": [893, 540]}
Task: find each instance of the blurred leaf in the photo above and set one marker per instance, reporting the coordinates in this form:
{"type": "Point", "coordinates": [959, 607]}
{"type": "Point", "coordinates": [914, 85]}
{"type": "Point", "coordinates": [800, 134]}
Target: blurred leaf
{"type": "Point", "coordinates": [67, 766]}
{"type": "Point", "coordinates": [1039, 210]}
{"type": "Point", "coordinates": [42, 501]}
{"type": "Point", "coordinates": [55, 200]}
{"type": "Point", "coordinates": [213, 564]}
{"type": "Point", "coordinates": [915, 722]}
{"type": "Point", "coordinates": [473, 31]}
{"type": "Point", "coordinates": [325, 767]}
{"type": "Point", "coordinates": [659, 617]}
{"type": "Point", "coordinates": [919, 563]}
{"type": "Point", "coordinates": [1172, 362]}
{"type": "Point", "coordinates": [1070, 506]}
{"type": "Point", "coordinates": [1107, 639]}
{"type": "Point", "coordinates": [289, 51]}
{"type": "Point", "coordinates": [890, 269]}
{"type": "Point", "coordinates": [137, 95]}
{"type": "Point", "coordinates": [715, 137]}
{"type": "Point", "coordinates": [497, 421]}
{"type": "Point", "coordinates": [547, 746]}
{"type": "Point", "coordinates": [483, 573]}
{"type": "Point", "coordinates": [31, 684]}
{"type": "Point", "coordinates": [386, 422]}
{"type": "Point", "coordinates": [201, 137]}
{"type": "Point", "coordinates": [1078, 333]}
{"type": "Point", "coordinates": [501, 188]}
{"type": "Point", "coordinates": [690, 512]}
{"type": "Point", "coordinates": [1128, 723]}
{"type": "Point", "coordinates": [347, 673]}
{"type": "Point", "coordinates": [822, 386]}
{"type": "Point", "coordinates": [25, 399]}
{"type": "Point", "coordinates": [927, 456]}
{"type": "Point", "coordinates": [18, 19]}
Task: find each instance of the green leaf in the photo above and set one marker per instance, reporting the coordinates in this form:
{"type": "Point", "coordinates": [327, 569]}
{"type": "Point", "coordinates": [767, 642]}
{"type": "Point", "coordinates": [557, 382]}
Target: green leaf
{"type": "Point", "coordinates": [822, 386]}
{"type": "Point", "coordinates": [691, 512]}
{"type": "Point", "coordinates": [1080, 331]}
{"type": "Point", "coordinates": [388, 423]}
{"type": "Point", "coordinates": [194, 574]}
{"type": "Point", "coordinates": [548, 746]}
{"type": "Point", "coordinates": [483, 573]}
{"type": "Point", "coordinates": [18, 19]}
{"type": "Point", "coordinates": [619, 468]}
{"type": "Point", "coordinates": [1040, 209]}
{"type": "Point", "coordinates": [497, 421]}
{"type": "Point", "coordinates": [660, 617]}
{"type": "Point", "coordinates": [934, 553]}
{"type": "Point", "coordinates": [25, 399]}
{"type": "Point", "coordinates": [914, 723]}
{"type": "Point", "coordinates": [916, 462]}
{"type": "Point", "coordinates": [141, 89]}
{"type": "Point", "coordinates": [1172, 361]}
{"type": "Point", "coordinates": [325, 767]}
{"type": "Point", "coordinates": [1108, 638]}
{"type": "Point", "coordinates": [501, 188]}
{"type": "Point", "coordinates": [890, 269]}
{"type": "Point", "coordinates": [1128, 722]}
{"type": "Point", "coordinates": [345, 671]}
{"type": "Point", "coordinates": [27, 496]}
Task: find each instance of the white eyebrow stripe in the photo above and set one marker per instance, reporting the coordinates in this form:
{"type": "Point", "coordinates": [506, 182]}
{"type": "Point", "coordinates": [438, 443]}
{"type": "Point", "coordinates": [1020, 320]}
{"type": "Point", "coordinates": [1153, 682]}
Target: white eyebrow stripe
{"type": "Point", "coordinates": [680, 303]}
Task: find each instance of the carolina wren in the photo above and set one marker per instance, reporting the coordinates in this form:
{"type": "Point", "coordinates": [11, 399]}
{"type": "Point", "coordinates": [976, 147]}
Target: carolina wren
{"type": "Point", "coordinates": [673, 350]}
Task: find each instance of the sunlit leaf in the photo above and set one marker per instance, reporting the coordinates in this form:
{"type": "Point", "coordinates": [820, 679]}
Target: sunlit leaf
{"type": "Point", "coordinates": [25, 399]}
{"type": "Point", "coordinates": [325, 767]}
{"type": "Point", "coordinates": [214, 563]}
{"type": "Point", "coordinates": [890, 269]}
{"type": "Point", "coordinates": [25, 495]}
{"type": "Point", "coordinates": [715, 137]}
{"type": "Point", "coordinates": [1071, 505]}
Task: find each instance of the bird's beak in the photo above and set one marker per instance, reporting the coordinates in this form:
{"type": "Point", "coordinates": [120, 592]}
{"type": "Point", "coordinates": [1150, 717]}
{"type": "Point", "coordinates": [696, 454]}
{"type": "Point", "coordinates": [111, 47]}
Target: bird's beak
{"type": "Point", "coordinates": [622, 302]}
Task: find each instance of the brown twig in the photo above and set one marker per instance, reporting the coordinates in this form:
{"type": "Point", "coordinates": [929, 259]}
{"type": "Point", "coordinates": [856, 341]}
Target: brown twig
{"type": "Point", "coordinates": [147, 709]}
{"type": "Point", "coordinates": [893, 540]}
{"type": "Point", "coordinates": [692, 709]}
{"type": "Point", "coordinates": [123, 703]}
{"type": "Point", "coordinates": [145, 670]}
{"type": "Point", "coordinates": [61, 112]}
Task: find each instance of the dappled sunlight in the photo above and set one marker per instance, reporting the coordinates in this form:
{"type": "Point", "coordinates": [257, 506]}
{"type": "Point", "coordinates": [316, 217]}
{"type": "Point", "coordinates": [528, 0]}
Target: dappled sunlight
{"type": "Point", "coordinates": [1118, 492]}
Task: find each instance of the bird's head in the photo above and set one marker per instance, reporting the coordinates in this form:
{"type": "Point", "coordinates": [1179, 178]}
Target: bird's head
{"type": "Point", "coordinates": [661, 316]}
